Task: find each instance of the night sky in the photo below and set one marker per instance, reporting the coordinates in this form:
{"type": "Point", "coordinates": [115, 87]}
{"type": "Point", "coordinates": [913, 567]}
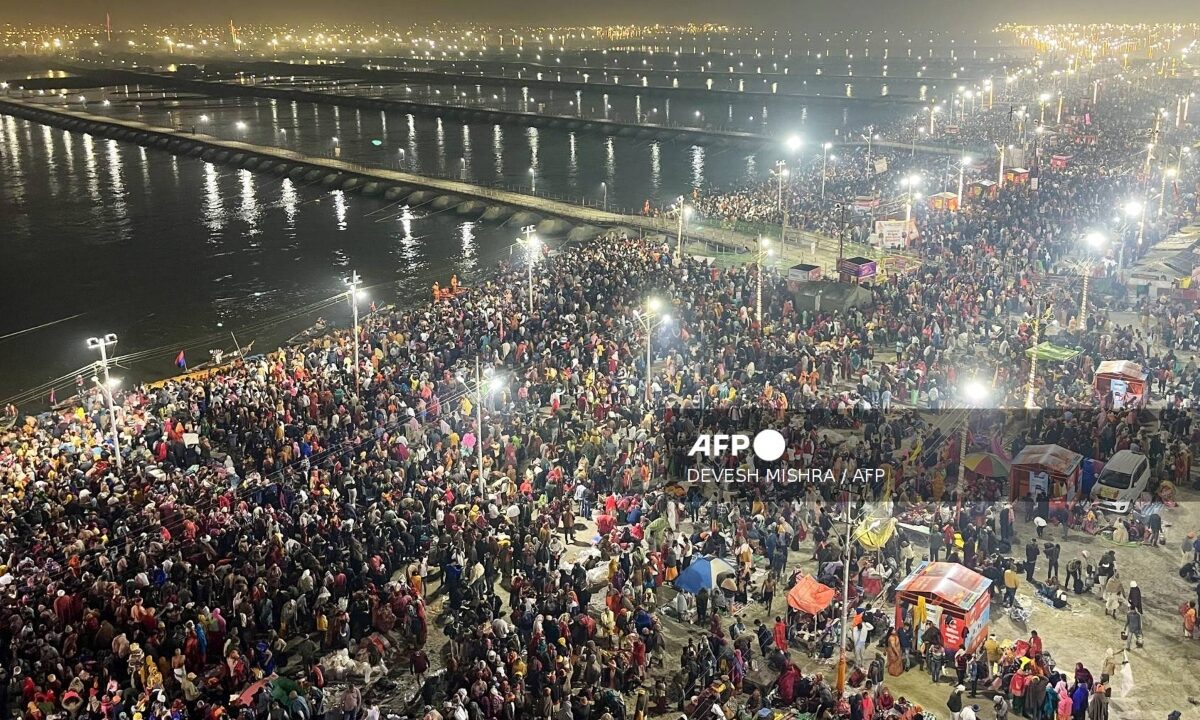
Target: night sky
{"type": "Point", "coordinates": [793, 14]}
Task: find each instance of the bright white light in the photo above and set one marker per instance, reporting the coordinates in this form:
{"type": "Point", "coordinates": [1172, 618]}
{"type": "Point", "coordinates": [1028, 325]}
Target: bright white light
{"type": "Point", "coordinates": [975, 392]}
{"type": "Point", "coordinates": [654, 304]}
{"type": "Point", "coordinates": [1133, 208]}
{"type": "Point", "coordinates": [794, 142]}
{"type": "Point", "coordinates": [1095, 240]}
{"type": "Point", "coordinates": [240, 125]}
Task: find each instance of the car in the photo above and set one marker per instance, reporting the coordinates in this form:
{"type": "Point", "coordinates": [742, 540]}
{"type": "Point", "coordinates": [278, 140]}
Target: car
{"type": "Point", "coordinates": [1122, 481]}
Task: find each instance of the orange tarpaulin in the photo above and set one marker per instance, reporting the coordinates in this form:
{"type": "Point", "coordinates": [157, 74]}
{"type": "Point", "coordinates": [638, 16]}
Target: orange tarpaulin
{"type": "Point", "coordinates": [809, 596]}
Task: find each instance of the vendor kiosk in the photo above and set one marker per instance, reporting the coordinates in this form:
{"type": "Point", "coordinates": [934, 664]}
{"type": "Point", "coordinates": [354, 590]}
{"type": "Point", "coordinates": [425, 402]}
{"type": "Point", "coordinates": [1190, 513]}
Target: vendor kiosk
{"type": "Point", "coordinates": [956, 599]}
{"type": "Point", "coordinates": [855, 269]}
{"type": "Point", "coordinates": [1016, 175]}
{"type": "Point", "coordinates": [1049, 470]}
{"type": "Point", "coordinates": [1124, 379]}
{"type": "Point", "coordinates": [983, 189]}
{"type": "Point", "coordinates": [944, 201]}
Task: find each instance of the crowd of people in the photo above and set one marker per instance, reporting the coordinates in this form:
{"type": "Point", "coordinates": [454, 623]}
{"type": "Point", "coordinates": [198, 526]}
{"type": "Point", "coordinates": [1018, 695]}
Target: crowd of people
{"type": "Point", "coordinates": [285, 518]}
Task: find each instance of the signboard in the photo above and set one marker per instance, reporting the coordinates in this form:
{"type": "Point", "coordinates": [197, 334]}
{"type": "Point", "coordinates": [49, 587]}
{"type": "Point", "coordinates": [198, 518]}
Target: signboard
{"type": "Point", "coordinates": [866, 202]}
{"type": "Point", "coordinates": [1039, 484]}
{"type": "Point", "coordinates": [856, 267]}
{"type": "Point", "coordinates": [895, 234]}
{"type": "Point", "coordinates": [1016, 157]}
{"type": "Point", "coordinates": [880, 166]}
{"type": "Point", "coordinates": [1118, 389]}
{"type": "Point", "coordinates": [1033, 183]}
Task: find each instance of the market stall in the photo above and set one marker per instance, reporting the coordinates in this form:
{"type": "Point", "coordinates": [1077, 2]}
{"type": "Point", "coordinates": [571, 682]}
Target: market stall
{"type": "Point", "coordinates": [956, 599]}
{"type": "Point", "coordinates": [1124, 379]}
{"type": "Point", "coordinates": [944, 201]}
{"type": "Point", "coordinates": [1050, 470]}
{"type": "Point", "coordinates": [983, 189]}
{"type": "Point", "coordinates": [1018, 175]}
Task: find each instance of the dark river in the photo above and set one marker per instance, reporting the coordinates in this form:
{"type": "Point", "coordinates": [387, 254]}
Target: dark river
{"type": "Point", "coordinates": [174, 254]}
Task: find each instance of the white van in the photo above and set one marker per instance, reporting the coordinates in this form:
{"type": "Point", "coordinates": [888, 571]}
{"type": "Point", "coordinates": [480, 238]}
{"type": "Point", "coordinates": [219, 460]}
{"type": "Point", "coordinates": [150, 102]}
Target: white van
{"type": "Point", "coordinates": [1122, 481]}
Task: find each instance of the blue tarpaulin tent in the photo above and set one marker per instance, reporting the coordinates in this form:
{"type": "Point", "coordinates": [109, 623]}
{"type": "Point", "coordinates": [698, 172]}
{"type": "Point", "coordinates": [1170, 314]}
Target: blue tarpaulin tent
{"type": "Point", "coordinates": [703, 572]}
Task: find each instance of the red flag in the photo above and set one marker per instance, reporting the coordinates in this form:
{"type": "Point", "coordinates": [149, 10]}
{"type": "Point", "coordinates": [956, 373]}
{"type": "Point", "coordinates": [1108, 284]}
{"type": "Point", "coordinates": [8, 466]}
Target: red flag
{"type": "Point", "coordinates": [180, 360]}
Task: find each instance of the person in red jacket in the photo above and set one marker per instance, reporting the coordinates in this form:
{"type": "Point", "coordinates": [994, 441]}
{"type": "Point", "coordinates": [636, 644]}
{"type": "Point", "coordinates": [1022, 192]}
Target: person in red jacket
{"type": "Point", "coordinates": [1016, 688]}
{"type": "Point", "coordinates": [780, 634]}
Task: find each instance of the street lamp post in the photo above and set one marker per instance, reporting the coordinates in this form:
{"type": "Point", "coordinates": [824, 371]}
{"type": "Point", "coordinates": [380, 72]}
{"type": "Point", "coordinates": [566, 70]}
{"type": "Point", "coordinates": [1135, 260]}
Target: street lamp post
{"type": "Point", "coordinates": [909, 182]}
{"type": "Point", "coordinates": [1162, 198]}
{"type": "Point", "coordinates": [780, 173]}
{"type": "Point", "coordinates": [106, 392]}
{"type": "Point", "coordinates": [962, 169]}
{"type": "Point", "coordinates": [1030, 403]}
{"type": "Point", "coordinates": [1091, 241]}
{"type": "Point", "coordinates": [533, 245]}
{"type": "Point", "coordinates": [352, 284]}
{"type": "Point", "coordinates": [102, 344]}
{"type": "Point", "coordinates": [480, 385]}
{"type": "Point", "coordinates": [604, 189]}
{"type": "Point", "coordinates": [824, 162]}
{"type": "Point", "coordinates": [684, 210]}
{"type": "Point", "coordinates": [764, 250]}
{"type": "Point", "coordinates": [650, 320]}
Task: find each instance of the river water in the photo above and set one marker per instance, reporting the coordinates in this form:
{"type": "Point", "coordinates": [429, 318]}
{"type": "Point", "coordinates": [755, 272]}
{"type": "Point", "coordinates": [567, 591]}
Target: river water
{"type": "Point", "coordinates": [174, 253]}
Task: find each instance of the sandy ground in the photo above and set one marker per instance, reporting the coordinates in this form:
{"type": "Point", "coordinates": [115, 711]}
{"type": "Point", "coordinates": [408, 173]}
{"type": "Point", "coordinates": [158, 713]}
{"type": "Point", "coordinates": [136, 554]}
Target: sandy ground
{"type": "Point", "coordinates": [1164, 670]}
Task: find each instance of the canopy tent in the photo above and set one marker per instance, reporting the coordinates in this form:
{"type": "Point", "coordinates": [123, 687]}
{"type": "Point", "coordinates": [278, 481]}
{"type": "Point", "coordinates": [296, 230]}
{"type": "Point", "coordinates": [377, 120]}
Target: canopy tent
{"type": "Point", "coordinates": [956, 599]}
{"type": "Point", "coordinates": [1051, 470]}
{"type": "Point", "coordinates": [704, 572]}
{"type": "Point", "coordinates": [1049, 352]}
{"type": "Point", "coordinates": [1124, 379]}
{"type": "Point", "coordinates": [809, 596]}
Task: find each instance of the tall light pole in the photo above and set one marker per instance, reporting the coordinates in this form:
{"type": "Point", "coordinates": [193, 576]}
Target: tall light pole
{"type": "Point", "coordinates": [824, 163]}
{"type": "Point", "coordinates": [909, 182]}
{"type": "Point", "coordinates": [1042, 100]}
{"type": "Point", "coordinates": [962, 170]}
{"type": "Point", "coordinates": [650, 320]}
{"type": "Point", "coordinates": [1092, 241]}
{"type": "Point", "coordinates": [352, 284]}
{"type": "Point", "coordinates": [493, 382]}
{"type": "Point", "coordinates": [1000, 178]}
{"type": "Point", "coordinates": [781, 172]}
{"type": "Point", "coordinates": [1030, 403]}
{"type": "Point", "coordinates": [102, 344]}
{"type": "Point", "coordinates": [869, 137]}
{"type": "Point", "coordinates": [684, 211]}
{"type": "Point", "coordinates": [764, 250]}
{"type": "Point", "coordinates": [604, 189]}
{"type": "Point", "coordinates": [1162, 198]}
{"type": "Point", "coordinates": [106, 391]}
{"type": "Point", "coordinates": [533, 245]}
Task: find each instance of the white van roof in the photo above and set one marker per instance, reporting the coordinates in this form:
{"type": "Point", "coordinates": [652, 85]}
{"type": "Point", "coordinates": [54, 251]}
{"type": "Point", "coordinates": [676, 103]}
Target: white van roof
{"type": "Point", "coordinates": [1125, 461]}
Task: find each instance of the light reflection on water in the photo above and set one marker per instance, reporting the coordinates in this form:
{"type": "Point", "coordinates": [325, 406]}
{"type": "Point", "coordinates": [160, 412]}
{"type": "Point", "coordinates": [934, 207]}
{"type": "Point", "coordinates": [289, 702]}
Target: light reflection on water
{"type": "Point", "coordinates": [159, 248]}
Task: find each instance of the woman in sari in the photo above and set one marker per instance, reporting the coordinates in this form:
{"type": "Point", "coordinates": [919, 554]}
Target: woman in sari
{"type": "Point", "coordinates": [895, 656]}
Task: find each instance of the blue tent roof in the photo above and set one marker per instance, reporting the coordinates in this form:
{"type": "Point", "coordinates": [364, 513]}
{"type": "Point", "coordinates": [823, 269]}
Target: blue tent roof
{"type": "Point", "coordinates": [703, 572]}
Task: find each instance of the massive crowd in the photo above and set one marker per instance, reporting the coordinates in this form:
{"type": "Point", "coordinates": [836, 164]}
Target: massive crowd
{"type": "Point", "coordinates": [282, 519]}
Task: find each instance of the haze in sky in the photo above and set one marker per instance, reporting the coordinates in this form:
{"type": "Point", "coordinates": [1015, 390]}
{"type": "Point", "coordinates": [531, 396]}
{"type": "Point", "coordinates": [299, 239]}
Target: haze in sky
{"type": "Point", "coordinates": [789, 14]}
